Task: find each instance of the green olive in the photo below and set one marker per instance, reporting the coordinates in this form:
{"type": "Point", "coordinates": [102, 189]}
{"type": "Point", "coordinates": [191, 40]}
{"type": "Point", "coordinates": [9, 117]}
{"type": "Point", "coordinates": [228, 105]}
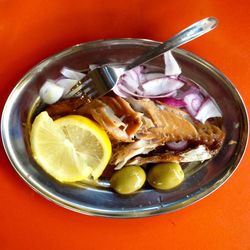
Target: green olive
{"type": "Point", "coordinates": [128, 179]}
{"type": "Point", "coordinates": [165, 176]}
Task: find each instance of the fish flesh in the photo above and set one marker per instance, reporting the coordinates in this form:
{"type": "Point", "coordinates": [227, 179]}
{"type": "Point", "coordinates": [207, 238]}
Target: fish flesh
{"type": "Point", "coordinates": [163, 124]}
{"type": "Point", "coordinates": [140, 129]}
{"type": "Point", "coordinates": [122, 153]}
{"type": "Point", "coordinates": [115, 115]}
{"type": "Point", "coordinates": [166, 123]}
{"type": "Point", "coordinates": [200, 153]}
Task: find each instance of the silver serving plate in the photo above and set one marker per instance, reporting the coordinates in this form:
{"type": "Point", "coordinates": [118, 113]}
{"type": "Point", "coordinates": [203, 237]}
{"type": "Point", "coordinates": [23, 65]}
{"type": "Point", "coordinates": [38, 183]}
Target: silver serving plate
{"type": "Point", "coordinates": [201, 179]}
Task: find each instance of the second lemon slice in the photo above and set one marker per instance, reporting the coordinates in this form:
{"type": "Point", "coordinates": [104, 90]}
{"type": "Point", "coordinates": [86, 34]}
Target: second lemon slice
{"type": "Point", "coordinates": [71, 148]}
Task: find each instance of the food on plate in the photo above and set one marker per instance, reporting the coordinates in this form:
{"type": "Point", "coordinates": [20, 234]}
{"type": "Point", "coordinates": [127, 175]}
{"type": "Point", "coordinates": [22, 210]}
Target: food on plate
{"type": "Point", "coordinates": [128, 180]}
{"type": "Point", "coordinates": [154, 120]}
{"type": "Point", "coordinates": [143, 131]}
{"type": "Point", "coordinates": [165, 175]}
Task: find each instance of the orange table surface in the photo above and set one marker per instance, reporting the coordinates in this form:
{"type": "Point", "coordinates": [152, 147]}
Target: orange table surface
{"type": "Point", "coordinates": [33, 30]}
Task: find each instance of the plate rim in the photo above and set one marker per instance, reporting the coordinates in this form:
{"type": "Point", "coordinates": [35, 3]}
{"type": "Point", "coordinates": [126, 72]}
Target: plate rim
{"type": "Point", "coordinates": [193, 198]}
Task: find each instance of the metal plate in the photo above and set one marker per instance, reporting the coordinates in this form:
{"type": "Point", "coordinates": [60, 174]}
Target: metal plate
{"type": "Point", "coordinates": [201, 179]}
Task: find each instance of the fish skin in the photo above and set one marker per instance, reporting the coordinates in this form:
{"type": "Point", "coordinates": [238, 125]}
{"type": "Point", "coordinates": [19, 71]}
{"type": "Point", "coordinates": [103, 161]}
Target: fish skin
{"type": "Point", "coordinates": [66, 107]}
{"type": "Point", "coordinates": [166, 122]}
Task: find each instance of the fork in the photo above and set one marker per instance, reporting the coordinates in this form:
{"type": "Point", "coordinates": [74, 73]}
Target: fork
{"type": "Point", "coordinates": [101, 80]}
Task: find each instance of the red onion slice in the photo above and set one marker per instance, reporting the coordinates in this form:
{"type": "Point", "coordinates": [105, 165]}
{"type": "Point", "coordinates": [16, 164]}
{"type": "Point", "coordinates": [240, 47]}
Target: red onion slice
{"type": "Point", "coordinates": [189, 89]}
{"type": "Point", "coordinates": [118, 91]}
{"type": "Point", "coordinates": [193, 102]}
{"type": "Point", "coordinates": [126, 90]}
{"type": "Point", "coordinates": [172, 68]}
{"type": "Point", "coordinates": [140, 76]}
{"type": "Point", "coordinates": [137, 83]}
{"type": "Point", "coordinates": [207, 110]}
{"type": "Point", "coordinates": [152, 76]}
{"type": "Point", "coordinates": [161, 86]}
{"type": "Point", "coordinates": [130, 80]}
{"type": "Point", "coordinates": [122, 90]}
{"type": "Point", "coordinates": [177, 146]}
{"type": "Point", "coordinates": [173, 102]}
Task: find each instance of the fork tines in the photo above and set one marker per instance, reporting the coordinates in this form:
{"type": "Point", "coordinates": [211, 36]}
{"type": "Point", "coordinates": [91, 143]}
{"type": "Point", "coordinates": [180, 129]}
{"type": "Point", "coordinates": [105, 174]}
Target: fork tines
{"type": "Point", "coordinates": [83, 86]}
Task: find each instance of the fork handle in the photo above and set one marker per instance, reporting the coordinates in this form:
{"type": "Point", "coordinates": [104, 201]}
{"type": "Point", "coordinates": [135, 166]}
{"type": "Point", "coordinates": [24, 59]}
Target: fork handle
{"type": "Point", "coordinates": [195, 30]}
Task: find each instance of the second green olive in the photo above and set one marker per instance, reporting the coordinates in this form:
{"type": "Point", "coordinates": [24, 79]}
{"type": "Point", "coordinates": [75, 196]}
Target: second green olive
{"type": "Point", "coordinates": [165, 176]}
{"type": "Point", "coordinates": [128, 180]}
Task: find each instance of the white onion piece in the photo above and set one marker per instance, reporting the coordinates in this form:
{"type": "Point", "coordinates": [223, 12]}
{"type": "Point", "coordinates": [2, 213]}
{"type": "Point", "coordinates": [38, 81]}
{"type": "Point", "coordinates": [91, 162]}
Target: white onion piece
{"type": "Point", "coordinates": [161, 86]}
{"type": "Point", "coordinates": [72, 74]}
{"type": "Point", "coordinates": [171, 66]}
{"type": "Point", "coordinates": [51, 92]}
{"type": "Point", "coordinates": [207, 110]}
{"type": "Point", "coordinates": [193, 102]}
{"type": "Point", "coordinates": [66, 84]}
{"type": "Point", "coordinates": [177, 146]}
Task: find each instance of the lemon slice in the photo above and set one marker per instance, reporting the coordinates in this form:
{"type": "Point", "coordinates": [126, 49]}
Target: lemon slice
{"type": "Point", "coordinates": [71, 148]}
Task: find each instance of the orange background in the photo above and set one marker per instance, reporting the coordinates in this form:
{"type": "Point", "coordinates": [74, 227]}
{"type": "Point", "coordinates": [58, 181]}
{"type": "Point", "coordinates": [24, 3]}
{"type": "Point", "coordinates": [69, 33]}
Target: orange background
{"type": "Point", "coordinates": [31, 30]}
